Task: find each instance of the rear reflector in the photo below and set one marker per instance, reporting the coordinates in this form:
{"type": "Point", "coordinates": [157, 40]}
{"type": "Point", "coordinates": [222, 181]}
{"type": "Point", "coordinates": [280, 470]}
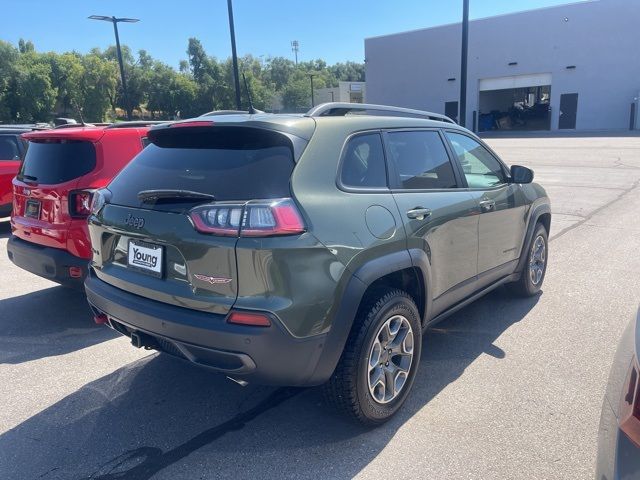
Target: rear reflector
{"type": "Point", "coordinates": [75, 272]}
{"type": "Point", "coordinates": [101, 319]}
{"type": "Point", "coordinates": [252, 319]}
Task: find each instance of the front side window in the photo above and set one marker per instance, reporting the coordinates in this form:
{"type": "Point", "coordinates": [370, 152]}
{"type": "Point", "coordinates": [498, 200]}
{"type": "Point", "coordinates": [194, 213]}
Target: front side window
{"type": "Point", "coordinates": [421, 160]}
{"type": "Point", "coordinates": [481, 169]}
{"type": "Point", "coordinates": [363, 165]}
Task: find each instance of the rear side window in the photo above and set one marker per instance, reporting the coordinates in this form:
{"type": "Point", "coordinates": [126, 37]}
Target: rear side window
{"type": "Point", "coordinates": [421, 160]}
{"type": "Point", "coordinates": [228, 164]}
{"type": "Point", "coordinates": [57, 161]}
{"type": "Point", "coordinates": [9, 148]}
{"type": "Point", "coordinates": [363, 164]}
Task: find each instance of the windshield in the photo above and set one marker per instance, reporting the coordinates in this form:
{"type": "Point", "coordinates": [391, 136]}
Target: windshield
{"type": "Point", "coordinates": [236, 168]}
{"type": "Point", "coordinates": [57, 161]}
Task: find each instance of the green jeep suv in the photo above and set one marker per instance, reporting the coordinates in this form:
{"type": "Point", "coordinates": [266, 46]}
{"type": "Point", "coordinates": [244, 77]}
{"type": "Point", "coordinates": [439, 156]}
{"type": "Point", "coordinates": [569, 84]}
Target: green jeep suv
{"type": "Point", "coordinates": [311, 249]}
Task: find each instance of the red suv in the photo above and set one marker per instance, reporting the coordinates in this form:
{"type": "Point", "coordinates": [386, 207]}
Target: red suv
{"type": "Point", "coordinates": [53, 190]}
{"type": "Point", "coordinates": [12, 150]}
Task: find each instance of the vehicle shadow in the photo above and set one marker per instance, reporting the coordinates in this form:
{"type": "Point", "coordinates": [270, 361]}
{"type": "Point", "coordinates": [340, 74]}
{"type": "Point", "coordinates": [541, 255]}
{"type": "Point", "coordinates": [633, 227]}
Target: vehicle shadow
{"type": "Point", "coordinates": [162, 418]}
{"type": "Point", "coordinates": [45, 323]}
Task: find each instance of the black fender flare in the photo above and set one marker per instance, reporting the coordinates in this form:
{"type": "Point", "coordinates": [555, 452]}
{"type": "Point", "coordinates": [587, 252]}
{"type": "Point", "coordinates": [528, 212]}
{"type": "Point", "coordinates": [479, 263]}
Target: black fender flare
{"type": "Point", "coordinates": [352, 295]}
{"type": "Point", "coordinates": [536, 213]}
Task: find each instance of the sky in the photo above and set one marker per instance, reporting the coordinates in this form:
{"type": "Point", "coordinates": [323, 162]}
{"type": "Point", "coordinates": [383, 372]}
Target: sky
{"type": "Point", "coordinates": [333, 30]}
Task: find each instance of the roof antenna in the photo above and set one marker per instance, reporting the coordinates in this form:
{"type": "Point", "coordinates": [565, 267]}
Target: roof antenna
{"type": "Point", "coordinates": [252, 110]}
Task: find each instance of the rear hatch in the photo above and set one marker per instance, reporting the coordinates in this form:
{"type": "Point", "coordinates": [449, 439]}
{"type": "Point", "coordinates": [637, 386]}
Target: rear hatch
{"type": "Point", "coordinates": [50, 171]}
{"type": "Point", "coordinates": [172, 218]}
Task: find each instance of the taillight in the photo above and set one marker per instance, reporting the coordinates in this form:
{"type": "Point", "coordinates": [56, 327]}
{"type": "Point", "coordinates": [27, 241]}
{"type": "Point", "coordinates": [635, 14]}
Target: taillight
{"type": "Point", "coordinates": [258, 218]}
{"type": "Point", "coordinates": [630, 405]}
{"type": "Point", "coordinates": [100, 198]}
{"type": "Point", "coordinates": [252, 319]}
{"type": "Point", "coordinates": [80, 203]}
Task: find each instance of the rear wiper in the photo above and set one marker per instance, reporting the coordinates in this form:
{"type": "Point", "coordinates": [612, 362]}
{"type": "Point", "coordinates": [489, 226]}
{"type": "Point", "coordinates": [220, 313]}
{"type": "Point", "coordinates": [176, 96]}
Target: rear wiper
{"type": "Point", "coordinates": [149, 196]}
{"type": "Point", "coordinates": [28, 177]}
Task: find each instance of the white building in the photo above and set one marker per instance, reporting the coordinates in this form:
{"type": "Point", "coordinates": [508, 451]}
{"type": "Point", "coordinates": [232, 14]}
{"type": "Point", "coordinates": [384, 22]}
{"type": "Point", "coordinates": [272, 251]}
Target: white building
{"type": "Point", "coordinates": [350, 92]}
{"type": "Point", "coordinates": [574, 66]}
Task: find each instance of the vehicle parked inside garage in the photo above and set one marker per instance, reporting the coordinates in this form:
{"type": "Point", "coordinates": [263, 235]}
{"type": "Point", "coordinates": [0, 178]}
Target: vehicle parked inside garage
{"type": "Point", "coordinates": [619, 435]}
{"type": "Point", "coordinates": [53, 191]}
{"type": "Point", "coordinates": [311, 249]}
{"type": "Point", "coordinates": [12, 150]}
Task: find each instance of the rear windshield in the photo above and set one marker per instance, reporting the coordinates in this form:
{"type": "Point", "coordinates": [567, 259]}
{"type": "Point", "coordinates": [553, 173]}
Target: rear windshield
{"type": "Point", "coordinates": [237, 165]}
{"type": "Point", "coordinates": [57, 161]}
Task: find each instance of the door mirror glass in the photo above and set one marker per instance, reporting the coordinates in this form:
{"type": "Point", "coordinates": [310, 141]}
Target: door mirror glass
{"type": "Point", "coordinates": [520, 174]}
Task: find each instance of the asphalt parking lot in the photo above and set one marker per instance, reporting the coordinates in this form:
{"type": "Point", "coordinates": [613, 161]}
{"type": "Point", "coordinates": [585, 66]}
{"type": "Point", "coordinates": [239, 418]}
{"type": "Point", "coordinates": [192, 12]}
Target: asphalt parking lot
{"type": "Point", "coordinates": [507, 388]}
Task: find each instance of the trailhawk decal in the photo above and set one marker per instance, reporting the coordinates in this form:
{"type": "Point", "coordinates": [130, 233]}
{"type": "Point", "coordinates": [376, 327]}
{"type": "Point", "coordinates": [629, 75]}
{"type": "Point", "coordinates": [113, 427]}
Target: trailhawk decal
{"type": "Point", "coordinates": [212, 280]}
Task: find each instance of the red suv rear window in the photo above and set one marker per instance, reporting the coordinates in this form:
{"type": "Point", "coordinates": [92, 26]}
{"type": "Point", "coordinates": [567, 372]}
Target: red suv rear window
{"type": "Point", "coordinates": [57, 161]}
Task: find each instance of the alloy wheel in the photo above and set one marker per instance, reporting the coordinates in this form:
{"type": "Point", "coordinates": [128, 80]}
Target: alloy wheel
{"type": "Point", "coordinates": [390, 359]}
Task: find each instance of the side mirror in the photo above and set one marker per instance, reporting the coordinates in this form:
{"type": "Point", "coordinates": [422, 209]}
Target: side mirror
{"type": "Point", "coordinates": [520, 174]}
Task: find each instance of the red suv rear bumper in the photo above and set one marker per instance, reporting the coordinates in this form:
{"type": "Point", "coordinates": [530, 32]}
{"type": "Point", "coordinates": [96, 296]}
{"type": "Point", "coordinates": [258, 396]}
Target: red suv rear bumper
{"type": "Point", "coordinates": [51, 263]}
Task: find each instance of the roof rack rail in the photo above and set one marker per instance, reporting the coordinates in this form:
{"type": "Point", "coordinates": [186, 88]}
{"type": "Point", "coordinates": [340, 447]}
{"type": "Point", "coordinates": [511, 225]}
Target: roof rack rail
{"type": "Point", "coordinates": [138, 123]}
{"type": "Point", "coordinates": [73, 125]}
{"type": "Point", "coordinates": [225, 112]}
{"type": "Point", "coordinates": [25, 126]}
{"type": "Point", "coordinates": [340, 109]}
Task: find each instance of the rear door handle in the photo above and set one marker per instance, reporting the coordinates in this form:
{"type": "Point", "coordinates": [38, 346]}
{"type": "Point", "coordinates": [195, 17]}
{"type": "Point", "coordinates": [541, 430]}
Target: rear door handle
{"type": "Point", "coordinates": [488, 206]}
{"type": "Point", "coordinates": [419, 213]}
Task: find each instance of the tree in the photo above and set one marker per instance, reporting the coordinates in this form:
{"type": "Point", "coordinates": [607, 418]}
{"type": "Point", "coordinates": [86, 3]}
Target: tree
{"type": "Point", "coordinates": [8, 60]}
{"type": "Point", "coordinates": [348, 72]}
{"type": "Point", "coordinates": [36, 96]}
{"type": "Point", "coordinates": [38, 86]}
{"type": "Point", "coordinates": [26, 46]}
{"type": "Point", "coordinates": [67, 71]}
{"type": "Point", "coordinates": [98, 87]}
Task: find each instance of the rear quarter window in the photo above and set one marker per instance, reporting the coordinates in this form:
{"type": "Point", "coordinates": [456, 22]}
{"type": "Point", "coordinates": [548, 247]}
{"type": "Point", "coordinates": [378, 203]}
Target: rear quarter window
{"type": "Point", "coordinates": [57, 161]}
{"type": "Point", "coordinates": [363, 163]}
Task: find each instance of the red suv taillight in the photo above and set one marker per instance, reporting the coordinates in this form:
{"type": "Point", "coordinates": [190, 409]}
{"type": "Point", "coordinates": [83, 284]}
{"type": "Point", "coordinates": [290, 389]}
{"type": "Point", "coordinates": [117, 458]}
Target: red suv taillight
{"type": "Point", "coordinates": [258, 218]}
{"type": "Point", "coordinates": [80, 203]}
{"type": "Point", "coordinates": [630, 405]}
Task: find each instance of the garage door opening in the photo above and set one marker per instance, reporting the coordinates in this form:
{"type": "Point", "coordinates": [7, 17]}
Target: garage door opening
{"type": "Point", "coordinates": [525, 108]}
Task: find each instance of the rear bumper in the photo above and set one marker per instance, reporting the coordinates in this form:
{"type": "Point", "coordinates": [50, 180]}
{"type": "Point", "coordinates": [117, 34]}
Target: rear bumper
{"type": "Point", "coordinates": [50, 263]}
{"type": "Point", "coordinates": [269, 356]}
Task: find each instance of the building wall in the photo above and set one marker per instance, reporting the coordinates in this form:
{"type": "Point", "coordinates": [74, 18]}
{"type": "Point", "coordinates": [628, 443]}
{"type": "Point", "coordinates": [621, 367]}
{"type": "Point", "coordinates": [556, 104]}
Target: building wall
{"type": "Point", "coordinates": [341, 93]}
{"type": "Point", "coordinates": [600, 37]}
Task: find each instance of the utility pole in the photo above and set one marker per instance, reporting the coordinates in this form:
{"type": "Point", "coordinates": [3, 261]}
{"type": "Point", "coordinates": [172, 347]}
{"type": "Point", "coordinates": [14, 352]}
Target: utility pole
{"type": "Point", "coordinates": [295, 47]}
{"type": "Point", "coordinates": [115, 21]}
{"type": "Point", "coordinates": [234, 55]}
{"type": "Point", "coordinates": [313, 103]}
{"type": "Point", "coordinates": [463, 65]}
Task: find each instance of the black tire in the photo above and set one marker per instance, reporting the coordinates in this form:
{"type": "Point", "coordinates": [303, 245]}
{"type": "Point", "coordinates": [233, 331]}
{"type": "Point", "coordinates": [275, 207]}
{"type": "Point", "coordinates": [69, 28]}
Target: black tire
{"type": "Point", "coordinates": [348, 388]}
{"type": "Point", "coordinates": [525, 286]}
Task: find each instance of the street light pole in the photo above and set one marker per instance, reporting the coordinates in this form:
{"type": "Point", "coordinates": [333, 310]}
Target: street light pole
{"type": "Point", "coordinates": [313, 103]}
{"type": "Point", "coordinates": [463, 65]}
{"type": "Point", "coordinates": [234, 55]}
{"type": "Point", "coordinates": [122, 75]}
{"type": "Point", "coordinates": [115, 21]}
